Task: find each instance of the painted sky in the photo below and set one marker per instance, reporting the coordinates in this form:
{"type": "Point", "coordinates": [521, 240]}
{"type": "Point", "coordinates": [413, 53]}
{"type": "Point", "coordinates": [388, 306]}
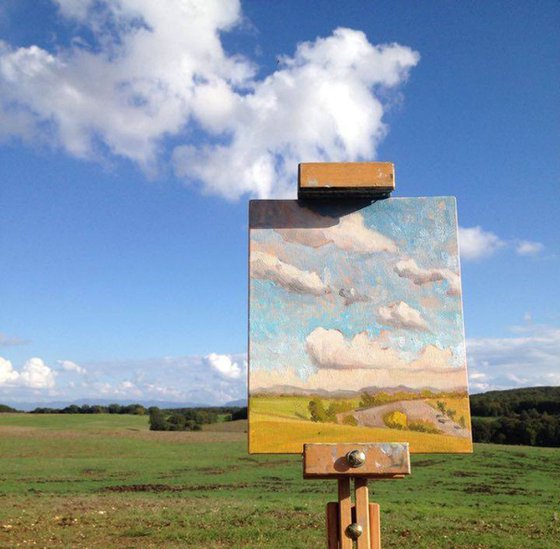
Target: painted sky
{"type": "Point", "coordinates": [374, 289]}
{"type": "Point", "coordinates": [133, 132]}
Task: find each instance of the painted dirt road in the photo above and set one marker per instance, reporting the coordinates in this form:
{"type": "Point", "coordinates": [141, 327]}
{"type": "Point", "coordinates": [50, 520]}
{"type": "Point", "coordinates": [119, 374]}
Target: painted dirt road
{"type": "Point", "coordinates": [414, 410]}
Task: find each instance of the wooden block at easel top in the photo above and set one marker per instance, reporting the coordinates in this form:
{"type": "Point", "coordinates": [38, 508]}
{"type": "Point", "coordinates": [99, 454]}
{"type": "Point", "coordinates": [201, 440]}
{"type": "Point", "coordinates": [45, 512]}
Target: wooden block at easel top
{"type": "Point", "coordinates": [382, 460]}
{"type": "Point", "coordinates": [346, 179]}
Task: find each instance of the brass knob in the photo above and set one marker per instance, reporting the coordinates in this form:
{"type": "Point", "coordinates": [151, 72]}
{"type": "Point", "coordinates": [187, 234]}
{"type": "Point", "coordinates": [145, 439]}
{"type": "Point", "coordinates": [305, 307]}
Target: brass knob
{"type": "Point", "coordinates": [355, 458]}
{"type": "Point", "coordinates": [354, 531]}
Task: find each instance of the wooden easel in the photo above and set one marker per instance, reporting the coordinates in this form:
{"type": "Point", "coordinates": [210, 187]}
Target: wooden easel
{"type": "Point", "coordinates": [349, 524]}
{"type": "Point", "coordinates": [360, 522]}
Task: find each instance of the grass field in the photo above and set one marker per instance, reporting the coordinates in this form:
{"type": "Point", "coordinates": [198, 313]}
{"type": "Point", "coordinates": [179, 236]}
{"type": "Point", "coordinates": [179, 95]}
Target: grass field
{"type": "Point", "coordinates": [106, 481]}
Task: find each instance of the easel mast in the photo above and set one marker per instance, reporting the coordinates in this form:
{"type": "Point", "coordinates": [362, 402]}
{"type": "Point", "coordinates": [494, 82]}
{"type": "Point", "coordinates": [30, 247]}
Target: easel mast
{"type": "Point", "coordinates": [349, 523]}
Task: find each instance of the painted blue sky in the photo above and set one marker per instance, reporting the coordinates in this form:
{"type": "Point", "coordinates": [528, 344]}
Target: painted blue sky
{"type": "Point", "coordinates": [132, 134]}
{"type": "Point", "coordinates": [366, 297]}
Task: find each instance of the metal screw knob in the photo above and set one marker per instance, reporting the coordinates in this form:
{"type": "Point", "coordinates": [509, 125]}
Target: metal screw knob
{"type": "Point", "coordinates": [354, 531]}
{"type": "Point", "coordinates": [355, 458]}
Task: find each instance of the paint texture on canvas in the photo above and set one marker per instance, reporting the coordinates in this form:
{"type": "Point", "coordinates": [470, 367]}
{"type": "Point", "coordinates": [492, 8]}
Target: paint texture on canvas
{"type": "Point", "coordinates": [356, 325]}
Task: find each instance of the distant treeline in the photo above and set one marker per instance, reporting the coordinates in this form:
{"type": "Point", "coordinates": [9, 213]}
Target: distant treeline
{"type": "Point", "coordinates": [6, 409]}
{"type": "Point", "coordinates": [192, 419]}
{"type": "Point", "coordinates": [518, 416]}
{"type": "Point", "coordinates": [135, 409]}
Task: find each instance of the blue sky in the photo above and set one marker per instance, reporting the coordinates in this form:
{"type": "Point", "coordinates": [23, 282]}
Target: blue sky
{"type": "Point", "coordinates": [133, 133]}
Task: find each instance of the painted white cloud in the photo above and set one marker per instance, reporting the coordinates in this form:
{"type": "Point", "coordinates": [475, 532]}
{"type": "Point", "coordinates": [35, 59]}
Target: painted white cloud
{"type": "Point", "coordinates": [225, 365]}
{"type": "Point", "coordinates": [476, 243]}
{"type": "Point", "coordinates": [408, 268]}
{"type": "Point", "coordinates": [351, 296]}
{"type": "Point", "coordinates": [339, 380]}
{"type": "Point", "coordinates": [402, 315]}
{"type": "Point", "coordinates": [269, 267]}
{"type": "Point", "coordinates": [140, 71]}
{"type": "Point", "coordinates": [329, 349]}
{"type": "Point", "coordinates": [70, 366]}
{"type": "Point", "coordinates": [528, 247]}
{"type": "Point", "coordinates": [349, 234]}
{"type": "Point", "coordinates": [432, 358]}
{"type": "Point", "coordinates": [37, 375]}
{"type": "Point", "coordinates": [529, 359]}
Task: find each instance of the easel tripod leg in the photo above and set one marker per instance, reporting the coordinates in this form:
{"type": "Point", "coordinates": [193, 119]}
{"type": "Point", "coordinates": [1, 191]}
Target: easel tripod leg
{"type": "Point", "coordinates": [362, 512]}
{"type": "Point", "coordinates": [332, 525]}
{"type": "Point", "coordinates": [344, 512]}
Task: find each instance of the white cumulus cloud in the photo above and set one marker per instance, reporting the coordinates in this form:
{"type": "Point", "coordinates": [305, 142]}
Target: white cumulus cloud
{"type": "Point", "coordinates": [402, 315]}
{"type": "Point", "coordinates": [8, 375]}
{"type": "Point", "coordinates": [476, 243]}
{"type": "Point", "coordinates": [322, 103]}
{"type": "Point", "coordinates": [528, 247]}
{"type": "Point", "coordinates": [70, 366]}
{"type": "Point", "coordinates": [35, 374]}
{"type": "Point", "coordinates": [225, 365]}
{"type": "Point", "coordinates": [530, 358]}
{"type": "Point", "coordinates": [139, 71]}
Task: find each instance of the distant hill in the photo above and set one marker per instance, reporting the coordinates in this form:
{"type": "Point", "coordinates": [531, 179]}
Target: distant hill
{"type": "Point", "coordinates": [241, 403]}
{"type": "Point", "coordinates": [529, 416]}
{"type": "Point", "coordinates": [500, 403]}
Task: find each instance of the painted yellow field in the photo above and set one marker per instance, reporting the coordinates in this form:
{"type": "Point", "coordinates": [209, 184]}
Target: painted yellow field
{"type": "Point", "coordinates": [272, 434]}
{"type": "Point", "coordinates": [460, 405]}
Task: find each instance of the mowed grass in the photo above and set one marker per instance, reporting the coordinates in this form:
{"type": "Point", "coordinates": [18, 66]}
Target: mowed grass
{"type": "Point", "coordinates": [287, 418]}
{"type": "Point", "coordinates": [106, 481]}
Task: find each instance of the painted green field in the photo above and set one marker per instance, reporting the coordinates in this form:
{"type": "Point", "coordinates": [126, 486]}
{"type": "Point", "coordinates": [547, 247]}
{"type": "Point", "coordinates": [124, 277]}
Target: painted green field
{"type": "Point", "coordinates": [106, 481]}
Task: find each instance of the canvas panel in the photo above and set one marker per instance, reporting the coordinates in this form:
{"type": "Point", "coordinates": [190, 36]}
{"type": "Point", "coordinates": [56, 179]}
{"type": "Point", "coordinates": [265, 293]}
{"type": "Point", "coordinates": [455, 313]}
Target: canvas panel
{"type": "Point", "coordinates": [356, 325]}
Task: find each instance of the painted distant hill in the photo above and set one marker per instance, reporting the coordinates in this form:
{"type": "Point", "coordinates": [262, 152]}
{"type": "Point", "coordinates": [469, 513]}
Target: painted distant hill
{"type": "Point", "coordinates": [298, 391]}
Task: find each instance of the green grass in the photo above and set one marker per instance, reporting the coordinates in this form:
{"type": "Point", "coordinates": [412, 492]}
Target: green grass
{"type": "Point", "coordinates": [106, 481]}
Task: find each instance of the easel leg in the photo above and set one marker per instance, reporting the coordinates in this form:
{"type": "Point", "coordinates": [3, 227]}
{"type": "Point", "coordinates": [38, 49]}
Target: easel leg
{"type": "Point", "coordinates": [362, 512]}
{"type": "Point", "coordinates": [344, 512]}
{"type": "Point", "coordinates": [375, 525]}
{"type": "Point", "coordinates": [332, 525]}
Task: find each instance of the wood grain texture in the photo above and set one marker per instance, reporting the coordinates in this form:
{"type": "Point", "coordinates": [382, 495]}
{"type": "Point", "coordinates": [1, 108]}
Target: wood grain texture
{"type": "Point", "coordinates": [319, 179]}
{"type": "Point", "coordinates": [375, 525]}
{"type": "Point", "coordinates": [383, 460]}
{"type": "Point", "coordinates": [344, 512]}
{"type": "Point", "coordinates": [362, 512]}
{"type": "Point", "coordinates": [332, 525]}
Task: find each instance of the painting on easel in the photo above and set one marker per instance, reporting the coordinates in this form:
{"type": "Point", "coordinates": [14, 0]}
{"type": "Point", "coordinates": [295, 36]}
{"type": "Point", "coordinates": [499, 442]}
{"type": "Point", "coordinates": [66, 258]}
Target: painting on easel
{"type": "Point", "coordinates": [356, 325]}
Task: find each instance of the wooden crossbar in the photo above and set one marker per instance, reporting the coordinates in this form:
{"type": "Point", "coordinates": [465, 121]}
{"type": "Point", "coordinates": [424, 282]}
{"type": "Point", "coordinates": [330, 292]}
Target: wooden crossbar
{"type": "Point", "coordinates": [346, 179]}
